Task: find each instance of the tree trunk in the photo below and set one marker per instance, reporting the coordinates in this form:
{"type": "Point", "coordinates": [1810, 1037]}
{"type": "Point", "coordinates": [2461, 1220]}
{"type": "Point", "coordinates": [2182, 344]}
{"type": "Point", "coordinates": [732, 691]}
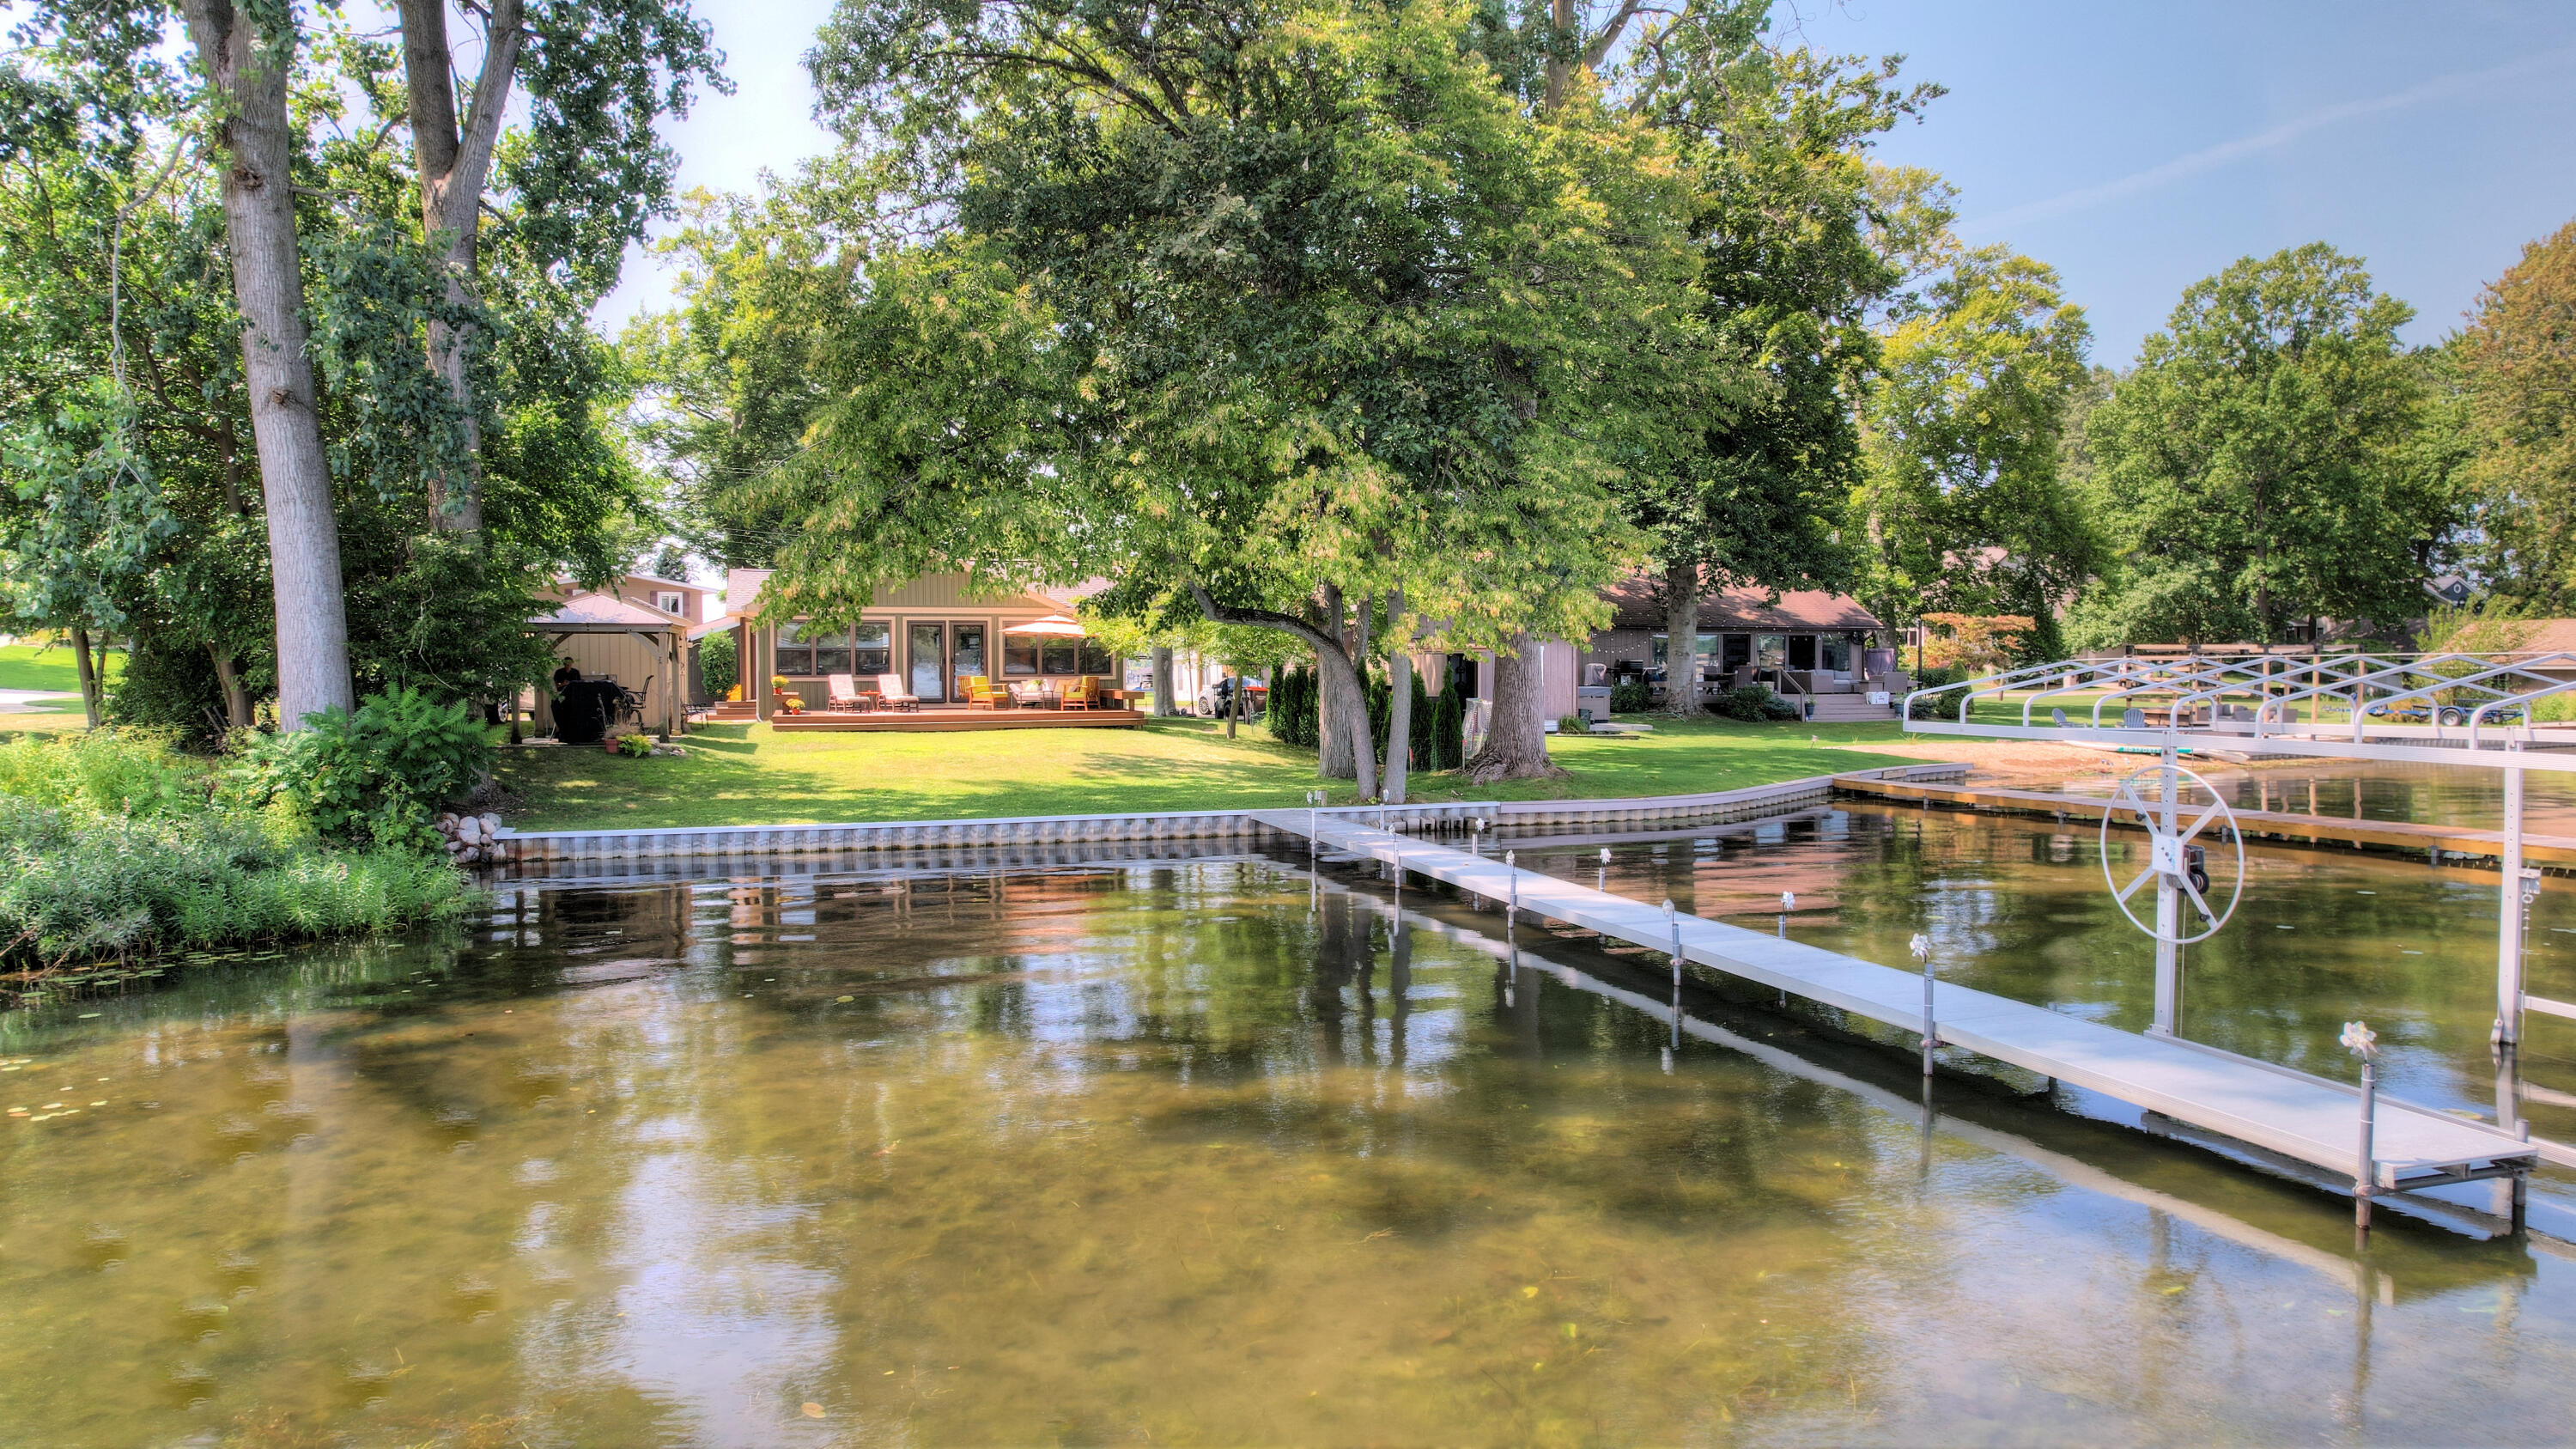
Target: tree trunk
{"type": "Point", "coordinates": [1399, 709]}
{"type": "Point", "coordinates": [1340, 695]}
{"type": "Point", "coordinates": [93, 699]}
{"type": "Point", "coordinates": [1333, 755]}
{"type": "Point", "coordinates": [268, 287]}
{"type": "Point", "coordinates": [237, 712]}
{"type": "Point", "coordinates": [453, 167]}
{"type": "Point", "coordinates": [1163, 682]}
{"type": "Point", "coordinates": [1234, 703]}
{"type": "Point", "coordinates": [1681, 640]}
{"type": "Point", "coordinates": [1560, 73]}
{"type": "Point", "coordinates": [1515, 741]}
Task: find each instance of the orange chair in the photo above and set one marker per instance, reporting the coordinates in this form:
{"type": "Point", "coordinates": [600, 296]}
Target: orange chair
{"type": "Point", "coordinates": [982, 693]}
{"type": "Point", "coordinates": [1085, 694]}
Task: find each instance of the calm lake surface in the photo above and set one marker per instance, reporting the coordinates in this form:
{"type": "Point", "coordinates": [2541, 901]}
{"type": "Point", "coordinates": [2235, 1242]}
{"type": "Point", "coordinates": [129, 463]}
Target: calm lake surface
{"type": "Point", "coordinates": [1211, 1152]}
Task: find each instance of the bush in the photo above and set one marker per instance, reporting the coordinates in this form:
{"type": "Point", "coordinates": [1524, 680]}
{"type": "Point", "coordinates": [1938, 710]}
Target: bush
{"type": "Point", "coordinates": [115, 846]}
{"type": "Point", "coordinates": [635, 746]}
{"type": "Point", "coordinates": [1448, 730]}
{"type": "Point", "coordinates": [716, 664]}
{"type": "Point", "coordinates": [172, 687]}
{"type": "Point", "coordinates": [1941, 706]}
{"type": "Point", "coordinates": [1293, 715]}
{"type": "Point", "coordinates": [1752, 704]}
{"type": "Point", "coordinates": [379, 775]}
{"type": "Point", "coordinates": [1630, 695]}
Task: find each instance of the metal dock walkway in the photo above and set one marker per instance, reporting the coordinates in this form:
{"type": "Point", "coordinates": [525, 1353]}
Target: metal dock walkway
{"type": "Point", "coordinates": [2309, 1120]}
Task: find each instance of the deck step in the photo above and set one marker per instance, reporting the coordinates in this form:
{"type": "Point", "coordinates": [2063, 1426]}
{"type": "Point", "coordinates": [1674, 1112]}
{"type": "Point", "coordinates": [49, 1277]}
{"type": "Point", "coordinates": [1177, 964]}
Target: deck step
{"type": "Point", "coordinates": [1847, 707]}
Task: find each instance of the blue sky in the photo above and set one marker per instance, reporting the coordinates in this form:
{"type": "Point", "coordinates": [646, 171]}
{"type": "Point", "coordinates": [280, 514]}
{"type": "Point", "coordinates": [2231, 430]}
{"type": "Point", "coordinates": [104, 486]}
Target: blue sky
{"type": "Point", "coordinates": [2135, 147]}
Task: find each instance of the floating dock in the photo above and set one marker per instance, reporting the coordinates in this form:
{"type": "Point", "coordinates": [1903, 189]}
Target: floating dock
{"type": "Point", "coordinates": [2305, 1120]}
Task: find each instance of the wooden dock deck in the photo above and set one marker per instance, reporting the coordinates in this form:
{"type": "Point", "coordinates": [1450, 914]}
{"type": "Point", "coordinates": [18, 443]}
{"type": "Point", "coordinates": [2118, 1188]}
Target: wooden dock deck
{"type": "Point", "coordinates": [2557, 850]}
{"type": "Point", "coordinates": [2307, 1120]}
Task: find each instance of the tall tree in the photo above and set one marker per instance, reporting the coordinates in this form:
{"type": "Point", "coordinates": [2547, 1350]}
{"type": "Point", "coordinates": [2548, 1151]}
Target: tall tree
{"type": "Point", "coordinates": [1965, 508]}
{"type": "Point", "coordinates": [1317, 294]}
{"type": "Point", "coordinates": [2253, 467]}
{"type": "Point", "coordinates": [2517, 361]}
{"type": "Point", "coordinates": [247, 57]}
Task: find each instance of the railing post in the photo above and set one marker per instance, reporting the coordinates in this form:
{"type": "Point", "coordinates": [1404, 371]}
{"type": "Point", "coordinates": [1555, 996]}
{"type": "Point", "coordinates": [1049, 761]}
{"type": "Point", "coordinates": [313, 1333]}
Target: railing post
{"type": "Point", "coordinates": [2361, 1041]}
{"type": "Point", "coordinates": [1921, 946]}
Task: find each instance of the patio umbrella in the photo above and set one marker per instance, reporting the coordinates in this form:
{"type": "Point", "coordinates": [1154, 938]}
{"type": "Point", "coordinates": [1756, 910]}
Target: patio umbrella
{"type": "Point", "coordinates": [1053, 626]}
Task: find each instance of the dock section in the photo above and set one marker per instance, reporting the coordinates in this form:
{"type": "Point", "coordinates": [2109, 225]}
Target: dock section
{"type": "Point", "coordinates": [2305, 1119]}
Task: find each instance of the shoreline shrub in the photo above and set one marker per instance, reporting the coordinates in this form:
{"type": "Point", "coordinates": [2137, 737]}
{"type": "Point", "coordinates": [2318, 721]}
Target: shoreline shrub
{"type": "Point", "coordinates": [378, 775]}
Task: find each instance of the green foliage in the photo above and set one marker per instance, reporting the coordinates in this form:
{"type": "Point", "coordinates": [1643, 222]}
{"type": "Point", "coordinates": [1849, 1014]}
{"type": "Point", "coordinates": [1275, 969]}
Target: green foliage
{"type": "Point", "coordinates": [1965, 506]}
{"type": "Point", "coordinates": [717, 664]}
{"type": "Point", "coordinates": [113, 846]}
{"type": "Point", "coordinates": [2516, 363]}
{"type": "Point", "coordinates": [1631, 696]}
{"type": "Point", "coordinates": [170, 685]}
{"type": "Point", "coordinates": [1448, 731]}
{"type": "Point", "coordinates": [1752, 704]}
{"type": "Point", "coordinates": [379, 774]}
{"type": "Point", "coordinates": [635, 746]}
{"type": "Point", "coordinates": [1294, 697]}
{"type": "Point", "coordinates": [1425, 740]}
{"type": "Point", "coordinates": [2256, 468]}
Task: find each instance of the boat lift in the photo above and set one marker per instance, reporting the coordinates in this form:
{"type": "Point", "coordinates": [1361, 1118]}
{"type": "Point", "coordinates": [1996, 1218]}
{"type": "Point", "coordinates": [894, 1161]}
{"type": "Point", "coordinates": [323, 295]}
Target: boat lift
{"type": "Point", "coordinates": [2473, 710]}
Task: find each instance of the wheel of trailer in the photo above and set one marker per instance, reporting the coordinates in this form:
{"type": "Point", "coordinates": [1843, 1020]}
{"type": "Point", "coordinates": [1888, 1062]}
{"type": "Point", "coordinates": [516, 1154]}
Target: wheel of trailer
{"type": "Point", "coordinates": [2171, 853]}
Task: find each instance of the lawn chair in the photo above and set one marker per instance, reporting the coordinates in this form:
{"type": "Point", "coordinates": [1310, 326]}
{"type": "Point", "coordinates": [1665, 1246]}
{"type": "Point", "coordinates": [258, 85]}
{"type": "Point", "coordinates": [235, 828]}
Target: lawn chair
{"type": "Point", "coordinates": [891, 693]}
{"type": "Point", "coordinates": [1085, 694]}
{"type": "Point", "coordinates": [982, 693]}
{"type": "Point", "coordinates": [841, 691]}
{"type": "Point", "coordinates": [631, 702]}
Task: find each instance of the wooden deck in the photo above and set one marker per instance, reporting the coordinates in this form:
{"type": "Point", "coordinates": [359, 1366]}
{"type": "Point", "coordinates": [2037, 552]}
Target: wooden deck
{"type": "Point", "coordinates": [2558, 850]}
{"type": "Point", "coordinates": [2305, 1120]}
{"type": "Point", "coordinates": [931, 718]}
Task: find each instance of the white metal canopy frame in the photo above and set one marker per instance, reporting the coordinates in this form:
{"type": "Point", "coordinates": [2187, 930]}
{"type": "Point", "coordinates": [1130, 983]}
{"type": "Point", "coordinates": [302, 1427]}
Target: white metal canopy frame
{"type": "Point", "coordinates": [2465, 709]}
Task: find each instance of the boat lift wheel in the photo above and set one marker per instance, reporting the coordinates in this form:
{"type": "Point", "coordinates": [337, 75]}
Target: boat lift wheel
{"type": "Point", "coordinates": [2171, 851]}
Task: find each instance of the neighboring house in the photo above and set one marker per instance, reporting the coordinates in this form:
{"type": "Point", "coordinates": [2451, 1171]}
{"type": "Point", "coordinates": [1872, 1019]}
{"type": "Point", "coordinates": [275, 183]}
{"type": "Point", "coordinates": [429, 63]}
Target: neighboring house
{"type": "Point", "coordinates": [933, 632]}
{"type": "Point", "coordinates": [1828, 640]}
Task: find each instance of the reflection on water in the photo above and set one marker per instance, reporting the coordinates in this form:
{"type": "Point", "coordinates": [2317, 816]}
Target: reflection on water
{"type": "Point", "coordinates": [2423, 794]}
{"type": "Point", "coordinates": [1199, 1152]}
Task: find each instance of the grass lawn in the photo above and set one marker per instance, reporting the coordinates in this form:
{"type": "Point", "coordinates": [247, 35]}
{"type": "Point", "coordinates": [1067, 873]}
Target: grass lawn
{"type": "Point", "coordinates": [24, 666]}
{"type": "Point", "coordinates": [747, 774]}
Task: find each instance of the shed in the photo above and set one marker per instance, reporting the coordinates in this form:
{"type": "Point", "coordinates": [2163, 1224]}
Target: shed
{"type": "Point", "coordinates": [640, 648]}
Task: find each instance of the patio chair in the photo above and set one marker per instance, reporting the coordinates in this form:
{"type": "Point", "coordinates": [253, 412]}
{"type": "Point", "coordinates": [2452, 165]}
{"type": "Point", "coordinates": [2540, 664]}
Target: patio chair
{"type": "Point", "coordinates": [1084, 694]}
{"type": "Point", "coordinates": [1028, 694]}
{"type": "Point", "coordinates": [982, 693]}
{"type": "Point", "coordinates": [891, 693]}
{"type": "Point", "coordinates": [842, 692]}
{"type": "Point", "coordinates": [631, 703]}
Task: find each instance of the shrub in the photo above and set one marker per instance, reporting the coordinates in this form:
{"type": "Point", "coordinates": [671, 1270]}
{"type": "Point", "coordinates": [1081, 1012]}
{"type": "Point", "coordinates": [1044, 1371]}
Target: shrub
{"type": "Point", "coordinates": [1630, 695]}
{"type": "Point", "coordinates": [378, 775]}
{"type": "Point", "coordinates": [169, 686]}
{"type": "Point", "coordinates": [1448, 730]}
{"type": "Point", "coordinates": [716, 663]}
{"type": "Point", "coordinates": [635, 746]}
{"type": "Point", "coordinates": [1751, 704]}
{"type": "Point", "coordinates": [1292, 708]}
{"type": "Point", "coordinates": [113, 846]}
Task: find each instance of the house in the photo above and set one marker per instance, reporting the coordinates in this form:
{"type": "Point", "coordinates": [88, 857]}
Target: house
{"type": "Point", "coordinates": [933, 633]}
{"type": "Point", "coordinates": [1802, 642]}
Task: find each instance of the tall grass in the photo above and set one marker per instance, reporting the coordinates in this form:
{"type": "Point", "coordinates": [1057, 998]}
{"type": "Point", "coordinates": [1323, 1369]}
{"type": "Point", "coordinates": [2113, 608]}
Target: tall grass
{"type": "Point", "coordinates": [115, 847]}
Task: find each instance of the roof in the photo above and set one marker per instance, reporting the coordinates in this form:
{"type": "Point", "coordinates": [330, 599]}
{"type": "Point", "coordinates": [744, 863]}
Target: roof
{"type": "Point", "coordinates": [599, 614]}
{"type": "Point", "coordinates": [673, 583]}
{"type": "Point", "coordinates": [1633, 605]}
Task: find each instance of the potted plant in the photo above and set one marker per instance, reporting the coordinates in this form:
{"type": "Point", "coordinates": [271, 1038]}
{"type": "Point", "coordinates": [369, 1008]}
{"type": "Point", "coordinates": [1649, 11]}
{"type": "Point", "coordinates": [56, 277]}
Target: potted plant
{"type": "Point", "coordinates": [789, 701]}
{"type": "Point", "coordinates": [633, 745]}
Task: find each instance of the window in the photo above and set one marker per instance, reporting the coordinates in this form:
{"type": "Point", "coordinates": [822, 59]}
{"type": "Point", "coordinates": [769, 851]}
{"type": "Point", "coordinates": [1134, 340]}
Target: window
{"type": "Point", "coordinates": [1019, 655]}
{"type": "Point", "coordinates": [672, 603]}
{"type": "Point", "coordinates": [1770, 651]}
{"type": "Point", "coordinates": [874, 652]}
{"type": "Point", "coordinates": [795, 652]}
{"type": "Point", "coordinates": [832, 652]}
{"type": "Point", "coordinates": [1056, 657]}
{"type": "Point", "coordinates": [1092, 657]}
{"type": "Point", "coordinates": [1834, 654]}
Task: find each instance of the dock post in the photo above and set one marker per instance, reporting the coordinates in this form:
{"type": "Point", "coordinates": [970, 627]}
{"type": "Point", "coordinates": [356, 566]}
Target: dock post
{"type": "Point", "coordinates": [1512, 873]}
{"type": "Point", "coordinates": [2511, 907]}
{"type": "Point", "coordinates": [2360, 1039]}
{"type": "Point", "coordinates": [1921, 946]}
{"type": "Point", "coordinates": [1674, 922]}
{"type": "Point", "coordinates": [2168, 920]}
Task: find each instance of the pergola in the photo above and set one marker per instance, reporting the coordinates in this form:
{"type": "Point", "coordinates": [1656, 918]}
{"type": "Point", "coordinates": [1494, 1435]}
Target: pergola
{"type": "Point", "coordinates": [665, 635]}
{"type": "Point", "coordinates": [2471, 710]}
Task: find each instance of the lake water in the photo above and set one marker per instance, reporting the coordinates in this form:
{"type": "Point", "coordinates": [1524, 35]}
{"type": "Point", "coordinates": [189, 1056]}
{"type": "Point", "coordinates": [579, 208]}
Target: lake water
{"type": "Point", "coordinates": [1213, 1152]}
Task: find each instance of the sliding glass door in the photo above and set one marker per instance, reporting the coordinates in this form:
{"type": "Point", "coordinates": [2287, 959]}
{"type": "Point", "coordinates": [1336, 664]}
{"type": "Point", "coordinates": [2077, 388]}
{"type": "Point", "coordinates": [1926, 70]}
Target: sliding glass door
{"type": "Point", "coordinates": [928, 653]}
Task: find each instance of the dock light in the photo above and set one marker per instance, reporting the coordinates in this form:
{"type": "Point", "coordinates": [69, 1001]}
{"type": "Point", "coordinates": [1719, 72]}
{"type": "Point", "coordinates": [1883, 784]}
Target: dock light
{"type": "Point", "coordinates": [1605, 859]}
{"type": "Point", "coordinates": [2362, 1042]}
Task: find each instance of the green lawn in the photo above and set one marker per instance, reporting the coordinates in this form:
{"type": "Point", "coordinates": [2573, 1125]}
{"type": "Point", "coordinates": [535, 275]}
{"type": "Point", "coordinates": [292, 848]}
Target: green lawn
{"type": "Point", "coordinates": [24, 666]}
{"type": "Point", "coordinates": [751, 775]}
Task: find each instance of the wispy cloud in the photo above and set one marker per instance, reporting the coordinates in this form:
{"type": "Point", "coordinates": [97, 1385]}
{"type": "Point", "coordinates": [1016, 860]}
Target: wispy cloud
{"type": "Point", "coordinates": [2211, 158]}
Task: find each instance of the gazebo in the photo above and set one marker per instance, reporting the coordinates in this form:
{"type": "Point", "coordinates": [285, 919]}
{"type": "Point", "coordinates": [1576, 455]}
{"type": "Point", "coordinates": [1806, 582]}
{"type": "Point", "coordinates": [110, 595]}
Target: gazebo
{"type": "Point", "coordinates": [611, 637]}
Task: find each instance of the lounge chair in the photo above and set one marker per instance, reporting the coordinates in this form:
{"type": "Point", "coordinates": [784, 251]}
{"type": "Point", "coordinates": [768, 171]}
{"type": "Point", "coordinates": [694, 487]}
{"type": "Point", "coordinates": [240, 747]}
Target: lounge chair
{"type": "Point", "coordinates": [982, 693]}
{"type": "Point", "coordinates": [842, 691]}
{"type": "Point", "coordinates": [890, 693]}
{"type": "Point", "coordinates": [1085, 694]}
